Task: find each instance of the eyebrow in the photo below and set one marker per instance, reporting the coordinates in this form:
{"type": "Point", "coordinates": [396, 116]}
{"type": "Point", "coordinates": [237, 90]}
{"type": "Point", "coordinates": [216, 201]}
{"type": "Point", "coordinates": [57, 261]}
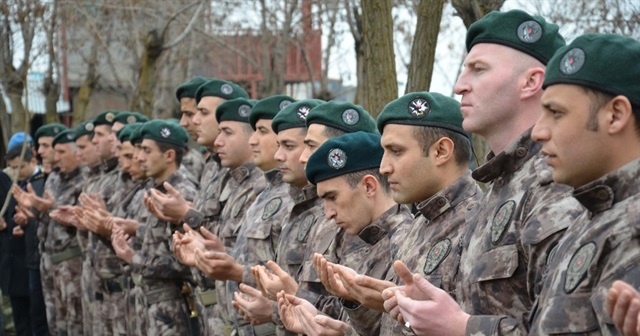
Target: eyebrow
{"type": "Point", "coordinates": [326, 194]}
{"type": "Point", "coordinates": [308, 142]}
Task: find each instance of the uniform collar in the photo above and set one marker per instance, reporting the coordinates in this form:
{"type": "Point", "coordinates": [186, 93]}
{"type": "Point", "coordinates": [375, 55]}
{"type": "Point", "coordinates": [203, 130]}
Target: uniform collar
{"type": "Point", "coordinates": [508, 161]}
{"type": "Point", "coordinates": [274, 177]}
{"type": "Point", "coordinates": [381, 226]}
{"type": "Point", "coordinates": [243, 172]}
{"type": "Point", "coordinates": [174, 179]}
{"type": "Point", "coordinates": [449, 197]}
{"type": "Point", "coordinates": [601, 194]}
{"type": "Point", "coordinates": [304, 194]}
{"type": "Point", "coordinates": [71, 174]}
{"type": "Point", "coordinates": [110, 164]}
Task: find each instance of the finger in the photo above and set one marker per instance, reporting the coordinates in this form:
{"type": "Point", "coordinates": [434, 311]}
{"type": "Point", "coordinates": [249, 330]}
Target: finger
{"type": "Point", "coordinates": [248, 290]}
{"type": "Point", "coordinates": [275, 268]}
{"type": "Point", "coordinates": [373, 283]}
{"type": "Point", "coordinates": [612, 298]}
{"type": "Point", "coordinates": [171, 190]}
{"type": "Point", "coordinates": [403, 272]}
{"type": "Point", "coordinates": [208, 234]}
{"type": "Point", "coordinates": [631, 319]}
{"type": "Point", "coordinates": [335, 325]}
{"type": "Point", "coordinates": [240, 300]}
{"type": "Point", "coordinates": [428, 291]}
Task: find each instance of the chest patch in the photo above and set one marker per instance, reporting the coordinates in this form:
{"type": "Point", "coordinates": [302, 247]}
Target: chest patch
{"type": "Point", "coordinates": [271, 208]}
{"type": "Point", "coordinates": [436, 255]}
{"type": "Point", "coordinates": [305, 226]}
{"type": "Point", "coordinates": [501, 221]}
{"type": "Point", "coordinates": [578, 266]}
{"type": "Point", "coordinates": [238, 205]}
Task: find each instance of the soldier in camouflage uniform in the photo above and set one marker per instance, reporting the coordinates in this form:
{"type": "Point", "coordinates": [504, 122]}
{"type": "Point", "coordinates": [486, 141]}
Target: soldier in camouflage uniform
{"type": "Point", "coordinates": [359, 200]}
{"type": "Point", "coordinates": [61, 243]}
{"type": "Point", "coordinates": [186, 95]}
{"type": "Point", "coordinates": [516, 227]}
{"type": "Point", "coordinates": [162, 148]}
{"type": "Point", "coordinates": [590, 130]}
{"type": "Point", "coordinates": [260, 227]}
{"type": "Point", "coordinates": [245, 182]}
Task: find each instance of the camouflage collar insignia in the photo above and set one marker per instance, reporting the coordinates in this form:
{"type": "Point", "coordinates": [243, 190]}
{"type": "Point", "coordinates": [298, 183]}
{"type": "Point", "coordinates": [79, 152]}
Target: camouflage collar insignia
{"type": "Point", "coordinates": [501, 220]}
{"type": "Point", "coordinates": [436, 255]}
{"type": "Point", "coordinates": [350, 117]}
{"type": "Point", "coordinates": [238, 205]}
{"type": "Point", "coordinates": [271, 208]}
{"type": "Point", "coordinates": [578, 266]}
{"type": "Point", "coordinates": [529, 31]}
{"type": "Point", "coordinates": [305, 226]}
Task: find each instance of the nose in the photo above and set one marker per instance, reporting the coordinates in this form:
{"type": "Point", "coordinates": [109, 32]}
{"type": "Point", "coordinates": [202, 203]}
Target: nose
{"type": "Point", "coordinates": [279, 156]}
{"type": "Point", "coordinates": [184, 120]}
{"type": "Point", "coordinates": [329, 213]}
{"type": "Point", "coordinates": [304, 156]}
{"type": "Point", "coordinates": [385, 167]}
{"type": "Point", "coordinates": [540, 131]}
{"type": "Point", "coordinates": [253, 139]}
{"type": "Point", "coordinates": [461, 86]}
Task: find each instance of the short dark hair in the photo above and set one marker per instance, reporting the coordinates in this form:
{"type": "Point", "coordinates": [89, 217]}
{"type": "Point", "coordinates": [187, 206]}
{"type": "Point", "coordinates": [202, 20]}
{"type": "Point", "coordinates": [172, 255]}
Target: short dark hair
{"type": "Point", "coordinates": [180, 151]}
{"type": "Point", "coordinates": [17, 150]}
{"type": "Point", "coordinates": [427, 136]}
{"type": "Point", "coordinates": [598, 100]}
{"type": "Point", "coordinates": [354, 178]}
{"type": "Point", "coordinates": [332, 132]}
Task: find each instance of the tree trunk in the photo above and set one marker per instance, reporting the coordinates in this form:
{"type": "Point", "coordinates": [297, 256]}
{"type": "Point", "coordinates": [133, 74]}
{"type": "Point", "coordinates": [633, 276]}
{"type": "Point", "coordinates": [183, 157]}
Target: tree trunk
{"type": "Point", "coordinates": [471, 11]}
{"type": "Point", "coordinates": [142, 100]}
{"type": "Point", "coordinates": [423, 49]}
{"type": "Point", "coordinates": [379, 57]}
{"type": "Point", "coordinates": [5, 127]}
{"type": "Point", "coordinates": [20, 117]}
{"type": "Point", "coordinates": [86, 88]}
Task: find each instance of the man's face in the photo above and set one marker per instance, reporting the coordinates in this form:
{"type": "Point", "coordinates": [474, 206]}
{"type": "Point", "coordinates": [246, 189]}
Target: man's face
{"type": "Point", "coordinates": [45, 150]}
{"type": "Point", "coordinates": [24, 169]}
{"type": "Point", "coordinates": [113, 139]}
{"type": "Point", "coordinates": [66, 157]}
{"type": "Point", "coordinates": [574, 152]}
{"type": "Point", "coordinates": [290, 146]}
{"type": "Point", "coordinates": [411, 175]}
{"type": "Point", "coordinates": [205, 122]}
{"type": "Point", "coordinates": [348, 207]}
{"type": "Point", "coordinates": [232, 144]}
{"type": "Point", "coordinates": [87, 153]}
{"type": "Point", "coordinates": [101, 135]}
{"type": "Point", "coordinates": [489, 88]}
{"type": "Point", "coordinates": [188, 109]}
{"type": "Point", "coordinates": [315, 138]}
{"type": "Point", "coordinates": [137, 164]}
{"type": "Point", "coordinates": [264, 144]}
{"type": "Point", "coordinates": [152, 161]}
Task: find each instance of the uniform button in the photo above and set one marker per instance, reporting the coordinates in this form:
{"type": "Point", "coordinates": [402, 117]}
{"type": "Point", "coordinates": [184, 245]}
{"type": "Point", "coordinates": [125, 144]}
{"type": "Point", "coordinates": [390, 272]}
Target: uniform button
{"type": "Point", "coordinates": [374, 231]}
{"type": "Point", "coordinates": [521, 152]}
{"type": "Point", "coordinates": [603, 195]}
{"type": "Point", "coordinates": [441, 201]}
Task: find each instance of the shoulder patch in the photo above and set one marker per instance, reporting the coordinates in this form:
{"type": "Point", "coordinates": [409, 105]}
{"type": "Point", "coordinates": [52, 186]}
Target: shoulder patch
{"type": "Point", "coordinates": [578, 266]}
{"type": "Point", "coordinates": [271, 208]}
{"type": "Point", "coordinates": [501, 220]}
{"type": "Point", "coordinates": [436, 255]}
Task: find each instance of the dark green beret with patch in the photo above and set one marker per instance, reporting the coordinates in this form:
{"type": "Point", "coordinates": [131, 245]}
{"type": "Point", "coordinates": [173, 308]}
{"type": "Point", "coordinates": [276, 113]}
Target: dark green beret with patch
{"type": "Point", "coordinates": [164, 131]}
{"type": "Point", "coordinates": [135, 137]}
{"type": "Point", "coordinates": [86, 128]}
{"type": "Point", "coordinates": [106, 118]}
{"type": "Point", "coordinates": [49, 130]}
{"type": "Point", "coordinates": [124, 134]}
{"type": "Point", "coordinates": [267, 108]}
{"type": "Point", "coordinates": [220, 88]}
{"type": "Point", "coordinates": [423, 109]}
{"type": "Point", "coordinates": [347, 117]}
{"type": "Point", "coordinates": [294, 115]}
{"type": "Point", "coordinates": [234, 110]}
{"type": "Point", "coordinates": [63, 137]}
{"type": "Point", "coordinates": [604, 62]}
{"type": "Point", "coordinates": [188, 89]}
{"type": "Point", "coordinates": [127, 117]}
{"type": "Point", "coordinates": [348, 153]}
{"type": "Point", "coordinates": [516, 29]}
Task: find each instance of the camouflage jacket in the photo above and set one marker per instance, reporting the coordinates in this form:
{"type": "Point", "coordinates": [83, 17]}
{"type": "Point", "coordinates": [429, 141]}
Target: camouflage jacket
{"type": "Point", "coordinates": [92, 178]}
{"type": "Point", "coordinates": [194, 163]}
{"type": "Point", "coordinates": [433, 243]}
{"type": "Point", "coordinates": [243, 186]}
{"type": "Point", "coordinates": [60, 237]}
{"type": "Point", "coordinates": [207, 206]}
{"type": "Point", "coordinates": [52, 186]}
{"type": "Point", "coordinates": [601, 246]}
{"type": "Point", "coordinates": [504, 258]}
{"type": "Point", "coordinates": [155, 261]}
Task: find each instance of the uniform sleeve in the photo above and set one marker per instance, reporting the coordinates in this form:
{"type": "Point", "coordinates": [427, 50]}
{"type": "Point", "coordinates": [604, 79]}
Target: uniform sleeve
{"type": "Point", "coordinates": [194, 218]}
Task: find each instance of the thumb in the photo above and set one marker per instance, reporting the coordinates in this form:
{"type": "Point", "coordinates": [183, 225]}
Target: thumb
{"type": "Point", "coordinates": [275, 268]}
{"type": "Point", "coordinates": [208, 234]}
{"type": "Point", "coordinates": [422, 284]}
{"type": "Point", "coordinates": [30, 188]}
{"type": "Point", "coordinates": [47, 195]}
{"type": "Point", "coordinates": [170, 189]}
{"type": "Point", "coordinates": [246, 289]}
{"type": "Point", "coordinates": [403, 272]}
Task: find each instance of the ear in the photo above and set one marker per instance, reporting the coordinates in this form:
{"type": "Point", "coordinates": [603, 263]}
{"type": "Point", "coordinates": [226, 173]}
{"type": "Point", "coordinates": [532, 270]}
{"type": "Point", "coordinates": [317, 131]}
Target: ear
{"type": "Point", "coordinates": [442, 151]}
{"type": "Point", "coordinates": [169, 156]}
{"type": "Point", "coordinates": [370, 184]}
{"type": "Point", "coordinates": [532, 80]}
{"type": "Point", "coordinates": [620, 115]}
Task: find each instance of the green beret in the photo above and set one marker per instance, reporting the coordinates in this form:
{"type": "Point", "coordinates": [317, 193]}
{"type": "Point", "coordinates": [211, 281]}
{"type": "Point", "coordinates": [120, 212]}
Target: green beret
{"type": "Point", "coordinates": [294, 115]}
{"type": "Point", "coordinates": [604, 62]}
{"type": "Point", "coordinates": [188, 89]}
{"type": "Point", "coordinates": [234, 110]}
{"type": "Point", "coordinates": [135, 137]}
{"type": "Point", "coordinates": [124, 134]}
{"type": "Point", "coordinates": [130, 117]}
{"type": "Point", "coordinates": [86, 128]}
{"type": "Point", "coordinates": [63, 137]}
{"type": "Point", "coordinates": [267, 108]}
{"type": "Point", "coordinates": [423, 109]}
{"type": "Point", "coordinates": [532, 35]}
{"type": "Point", "coordinates": [348, 153]}
{"type": "Point", "coordinates": [347, 117]}
{"type": "Point", "coordinates": [220, 88]}
{"type": "Point", "coordinates": [106, 118]}
{"type": "Point", "coordinates": [49, 130]}
{"type": "Point", "coordinates": [164, 131]}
